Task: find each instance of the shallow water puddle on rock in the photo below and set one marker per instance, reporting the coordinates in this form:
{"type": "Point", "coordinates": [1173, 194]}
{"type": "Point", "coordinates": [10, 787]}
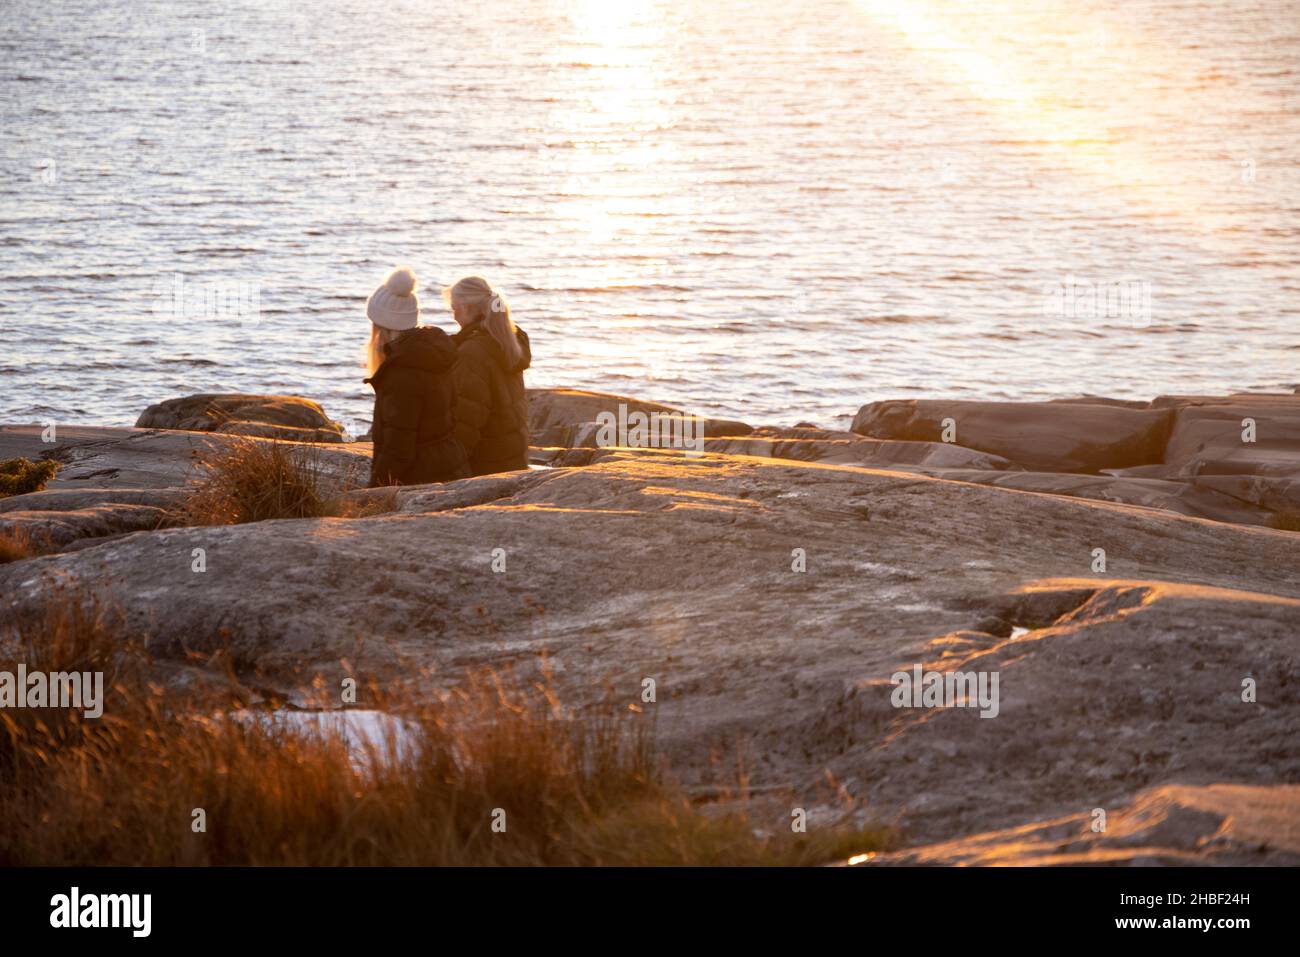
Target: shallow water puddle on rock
{"type": "Point", "coordinates": [366, 732]}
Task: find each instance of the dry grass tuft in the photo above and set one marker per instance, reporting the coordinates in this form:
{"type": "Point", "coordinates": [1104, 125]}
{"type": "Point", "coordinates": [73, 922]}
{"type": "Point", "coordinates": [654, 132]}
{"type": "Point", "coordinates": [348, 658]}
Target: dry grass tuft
{"type": "Point", "coordinates": [256, 480]}
{"type": "Point", "coordinates": [574, 790]}
{"type": "Point", "coordinates": [76, 631]}
{"type": "Point", "coordinates": [16, 545]}
{"type": "Point", "coordinates": [20, 476]}
{"type": "Point", "coordinates": [253, 481]}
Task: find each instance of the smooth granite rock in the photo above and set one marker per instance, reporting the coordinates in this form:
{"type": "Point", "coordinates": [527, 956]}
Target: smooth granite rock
{"type": "Point", "coordinates": [687, 570]}
{"type": "Point", "coordinates": [265, 416]}
{"type": "Point", "coordinates": [1236, 438]}
{"type": "Point", "coordinates": [1040, 436]}
{"type": "Point", "coordinates": [551, 412]}
{"type": "Point", "coordinates": [1175, 825]}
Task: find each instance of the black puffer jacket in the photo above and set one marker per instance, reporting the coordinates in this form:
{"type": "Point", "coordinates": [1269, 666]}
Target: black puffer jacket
{"type": "Point", "coordinates": [415, 402]}
{"type": "Point", "coordinates": [491, 404]}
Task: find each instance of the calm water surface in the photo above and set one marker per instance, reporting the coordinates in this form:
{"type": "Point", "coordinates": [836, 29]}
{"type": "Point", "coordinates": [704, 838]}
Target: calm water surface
{"type": "Point", "coordinates": [774, 210]}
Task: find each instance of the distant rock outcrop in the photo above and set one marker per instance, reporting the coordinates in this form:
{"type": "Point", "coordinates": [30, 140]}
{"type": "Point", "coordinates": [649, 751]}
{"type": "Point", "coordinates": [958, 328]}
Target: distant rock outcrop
{"type": "Point", "coordinates": [553, 414]}
{"type": "Point", "coordinates": [1236, 435]}
{"type": "Point", "coordinates": [1040, 436]}
{"type": "Point", "coordinates": [264, 416]}
{"type": "Point", "coordinates": [1233, 458]}
{"type": "Point", "coordinates": [846, 448]}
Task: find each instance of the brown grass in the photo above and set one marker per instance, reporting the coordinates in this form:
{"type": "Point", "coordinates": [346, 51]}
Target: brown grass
{"type": "Point", "coordinates": [251, 480]}
{"type": "Point", "coordinates": [574, 790]}
{"type": "Point", "coordinates": [75, 631]}
{"type": "Point", "coordinates": [1288, 520]}
{"type": "Point", "coordinates": [15, 545]}
{"type": "Point", "coordinates": [20, 476]}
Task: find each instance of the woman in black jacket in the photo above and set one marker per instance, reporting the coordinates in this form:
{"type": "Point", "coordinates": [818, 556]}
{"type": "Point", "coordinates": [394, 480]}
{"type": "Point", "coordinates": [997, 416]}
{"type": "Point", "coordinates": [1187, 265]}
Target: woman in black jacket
{"type": "Point", "coordinates": [415, 397]}
{"type": "Point", "coordinates": [491, 404]}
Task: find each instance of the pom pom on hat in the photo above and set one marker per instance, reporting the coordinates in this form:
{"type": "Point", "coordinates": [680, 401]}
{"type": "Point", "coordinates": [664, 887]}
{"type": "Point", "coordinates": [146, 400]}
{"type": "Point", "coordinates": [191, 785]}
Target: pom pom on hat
{"type": "Point", "coordinates": [400, 282]}
{"type": "Point", "coordinates": [394, 305]}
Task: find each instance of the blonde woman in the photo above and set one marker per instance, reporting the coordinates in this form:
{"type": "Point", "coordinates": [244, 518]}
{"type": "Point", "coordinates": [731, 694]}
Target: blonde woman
{"type": "Point", "coordinates": [491, 404]}
{"type": "Point", "coordinates": [410, 369]}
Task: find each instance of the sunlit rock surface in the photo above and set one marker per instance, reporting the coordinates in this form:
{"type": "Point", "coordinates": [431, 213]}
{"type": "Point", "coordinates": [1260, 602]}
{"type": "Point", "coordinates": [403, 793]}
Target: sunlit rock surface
{"type": "Point", "coordinates": [1143, 624]}
{"type": "Point", "coordinates": [683, 569]}
{"type": "Point", "coordinates": [135, 458]}
{"type": "Point", "coordinates": [1044, 436]}
{"type": "Point", "coordinates": [117, 480]}
{"type": "Point", "coordinates": [1212, 439]}
{"type": "Point", "coordinates": [1226, 824]}
{"type": "Point", "coordinates": [553, 413]}
{"type": "Point", "coordinates": [1232, 458]}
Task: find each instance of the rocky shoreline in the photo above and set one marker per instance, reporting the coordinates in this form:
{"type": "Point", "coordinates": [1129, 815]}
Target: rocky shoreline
{"type": "Point", "coordinates": [1127, 568]}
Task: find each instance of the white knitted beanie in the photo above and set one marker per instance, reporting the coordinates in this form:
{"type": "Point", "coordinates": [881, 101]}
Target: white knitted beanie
{"type": "Point", "coordinates": [394, 305]}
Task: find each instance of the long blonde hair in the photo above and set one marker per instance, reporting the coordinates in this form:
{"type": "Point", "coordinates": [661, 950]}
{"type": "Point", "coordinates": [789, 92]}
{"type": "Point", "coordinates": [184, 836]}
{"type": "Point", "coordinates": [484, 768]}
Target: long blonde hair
{"type": "Point", "coordinates": [379, 337]}
{"type": "Point", "coordinates": [481, 303]}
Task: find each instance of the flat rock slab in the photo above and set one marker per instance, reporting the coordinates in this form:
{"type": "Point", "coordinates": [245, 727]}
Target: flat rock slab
{"type": "Point", "coordinates": [1239, 502]}
{"type": "Point", "coordinates": [1238, 439]}
{"type": "Point", "coordinates": [109, 457]}
{"type": "Point", "coordinates": [1281, 400]}
{"type": "Point", "coordinates": [1142, 684]}
{"type": "Point", "coordinates": [1177, 825]}
{"type": "Point", "coordinates": [553, 412]}
{"type": "Point", "coordinates": [57, 528]}
{"type": "Point", "coordinates": [71, 497]}
{"type": "Point", "coordinates": [805, 445]}
{"type": "Point", "coordinates": [1272, 494]}
{"type": "Point", "coordinates": [683, 570]}
{"type": "Point", "coordinates": [801, 445]}
{"type": "Point", "coordinates": [1040, 436]}
{"type": "Point", "coordinates": [113, 458]}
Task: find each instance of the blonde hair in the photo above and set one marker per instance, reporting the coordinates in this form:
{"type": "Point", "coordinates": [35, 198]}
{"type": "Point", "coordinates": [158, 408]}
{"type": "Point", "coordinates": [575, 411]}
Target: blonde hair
{"type": "Point", "coordinates": [379, 337]}
{"type": "Point", "coordinates": [481, 303]}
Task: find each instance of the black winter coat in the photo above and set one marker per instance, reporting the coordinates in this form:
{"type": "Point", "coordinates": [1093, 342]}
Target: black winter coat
{"type": "Point", "coordinates": [415, 402]}
{"type": "Point", "coordinates": [491, 404]}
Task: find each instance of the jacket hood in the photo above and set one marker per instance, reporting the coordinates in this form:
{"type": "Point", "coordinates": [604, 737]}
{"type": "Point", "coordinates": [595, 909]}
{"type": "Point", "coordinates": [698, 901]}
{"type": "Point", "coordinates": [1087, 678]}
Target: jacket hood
{"type": "Point", "coordinates": [424, 347]}
{"type": "Point", "coordinates": [479, 334]}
